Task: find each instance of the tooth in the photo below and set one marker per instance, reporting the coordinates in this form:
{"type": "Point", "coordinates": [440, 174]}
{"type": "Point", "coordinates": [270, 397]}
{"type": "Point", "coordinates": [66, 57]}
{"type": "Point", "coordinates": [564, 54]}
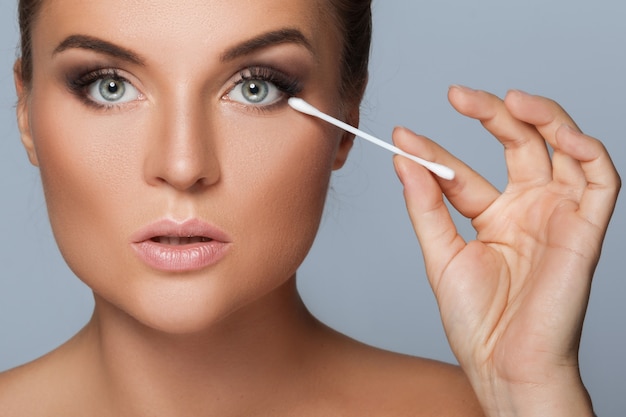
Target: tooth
{"type": "Point", "coordinates": [180, 240]}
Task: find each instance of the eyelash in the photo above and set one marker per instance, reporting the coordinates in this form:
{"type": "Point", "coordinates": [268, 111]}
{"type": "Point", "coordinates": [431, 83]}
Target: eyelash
{"type": "Point", "coordinates": [288, 85]}
{"type": "Point", "coordinates": [80, 84]}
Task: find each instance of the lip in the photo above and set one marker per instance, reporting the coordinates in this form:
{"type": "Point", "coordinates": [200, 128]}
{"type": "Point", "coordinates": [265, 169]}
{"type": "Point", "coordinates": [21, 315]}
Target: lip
{"type": "Point", "coordinates": [152, 246]}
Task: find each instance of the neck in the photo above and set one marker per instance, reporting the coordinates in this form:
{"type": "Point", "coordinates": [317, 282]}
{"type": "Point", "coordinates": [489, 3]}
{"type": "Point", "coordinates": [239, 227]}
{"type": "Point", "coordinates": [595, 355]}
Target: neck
{"type": "Point", "coordinates": [240, 362]}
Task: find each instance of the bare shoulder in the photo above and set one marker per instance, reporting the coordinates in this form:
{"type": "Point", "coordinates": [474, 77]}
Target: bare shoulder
{"type": "Point", "coordinates": [428, 388]}
{"type": "Point", "coordinates": [38, 387]}
{"type": "Point", "coordinates": [384, 383]}
{"type": "Point", "coordinates": [22, 389]}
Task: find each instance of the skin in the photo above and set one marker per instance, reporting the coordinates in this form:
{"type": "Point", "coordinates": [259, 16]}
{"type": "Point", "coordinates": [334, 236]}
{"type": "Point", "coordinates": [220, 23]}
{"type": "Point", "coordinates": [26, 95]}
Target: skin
{"type": "Point", "coordinates": [235, 339]}
{"type": "Point", "coordinates": [224, 340]}
{"type": "Point", "coordinates": [178, 153]}
{"type": "Point", "coordinates": [537, 246]}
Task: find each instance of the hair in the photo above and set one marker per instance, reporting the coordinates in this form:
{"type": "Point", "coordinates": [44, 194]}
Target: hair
{"type": "Point", "coordinates": [27, 12]}
{"type": "Point", "coordinates": [354, 20]}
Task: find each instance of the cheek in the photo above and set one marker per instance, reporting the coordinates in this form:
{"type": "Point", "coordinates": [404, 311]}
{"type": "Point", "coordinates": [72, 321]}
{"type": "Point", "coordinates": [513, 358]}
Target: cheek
{"type": "Point", "coordinates": [274, 174]}
{"type": "Point", "coordinates": [86, 178]}
{"type": "Point", "coordinates": [283, 185]}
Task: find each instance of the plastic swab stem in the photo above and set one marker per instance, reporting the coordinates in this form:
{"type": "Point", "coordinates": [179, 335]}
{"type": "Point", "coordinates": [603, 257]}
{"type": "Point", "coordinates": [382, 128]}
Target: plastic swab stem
{"type": "Point", "coordinates": [304, 107]}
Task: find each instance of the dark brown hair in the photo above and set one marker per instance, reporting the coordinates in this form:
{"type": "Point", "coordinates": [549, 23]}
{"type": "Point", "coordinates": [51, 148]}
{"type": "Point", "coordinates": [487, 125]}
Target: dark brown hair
{"type": "Point", "coordinates": [354, 19]}
{"type": "Point", "coordinates": [28, 10]}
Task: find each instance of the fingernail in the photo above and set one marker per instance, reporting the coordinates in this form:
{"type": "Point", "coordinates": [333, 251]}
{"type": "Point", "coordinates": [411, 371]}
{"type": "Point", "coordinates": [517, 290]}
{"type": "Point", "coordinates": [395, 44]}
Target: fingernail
{"type": "Point", "coordinates": [462, 88]}
{"type": "Point", "coordinates": [522, 92]}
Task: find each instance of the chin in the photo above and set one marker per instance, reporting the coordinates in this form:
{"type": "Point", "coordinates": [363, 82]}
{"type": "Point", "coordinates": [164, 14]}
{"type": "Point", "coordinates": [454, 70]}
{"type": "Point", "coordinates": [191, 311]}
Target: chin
{"type": "Point", "coordinates": [180, 307]}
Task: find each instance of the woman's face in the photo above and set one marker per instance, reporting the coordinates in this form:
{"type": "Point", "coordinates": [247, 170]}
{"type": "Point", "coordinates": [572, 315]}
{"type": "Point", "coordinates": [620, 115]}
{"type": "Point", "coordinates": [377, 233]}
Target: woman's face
{"type": "Point", "coordinates": [180, 185]}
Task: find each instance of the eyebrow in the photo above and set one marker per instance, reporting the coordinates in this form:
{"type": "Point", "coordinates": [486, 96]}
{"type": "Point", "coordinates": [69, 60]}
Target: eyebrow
{"type": "Point", "coordinates": [248, 47]}
{"type": "Point", "coordinates": [265, 40]}
{"type": "Point", "coordinates": [100, 46]}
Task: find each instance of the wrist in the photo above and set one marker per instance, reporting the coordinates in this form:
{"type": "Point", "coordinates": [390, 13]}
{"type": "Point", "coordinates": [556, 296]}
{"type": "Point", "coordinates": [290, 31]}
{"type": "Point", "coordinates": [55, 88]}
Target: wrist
{"type": "Point", "coordinates": [565, 396]}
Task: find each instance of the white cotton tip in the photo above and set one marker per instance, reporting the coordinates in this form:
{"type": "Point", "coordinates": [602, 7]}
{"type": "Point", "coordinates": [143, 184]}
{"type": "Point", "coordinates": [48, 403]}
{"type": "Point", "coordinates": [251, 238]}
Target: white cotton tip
{"type": "Point", "coordinates": [304, 107]}
{"type": "Point", "coordinates": [441, 171]}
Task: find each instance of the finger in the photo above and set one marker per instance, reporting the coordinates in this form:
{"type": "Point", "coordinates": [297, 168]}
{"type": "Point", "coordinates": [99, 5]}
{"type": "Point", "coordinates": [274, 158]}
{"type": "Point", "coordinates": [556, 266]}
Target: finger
{"type": "Point", "coordinates": [430, 217]}
{"type": "Point", "coordinates": [468, 192]}
{"type": "Point", "coordinates": [547, 116]}
{"type": "Point", "coordinates": [527, 157]}
{"type": "Point", "coordinates": [603, 181]}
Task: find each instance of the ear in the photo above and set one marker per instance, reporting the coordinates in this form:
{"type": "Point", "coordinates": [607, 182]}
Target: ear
{"type": "Point", "coordinates": [23, 122]}
{"type": "Point", "coordinates": [347, 139]}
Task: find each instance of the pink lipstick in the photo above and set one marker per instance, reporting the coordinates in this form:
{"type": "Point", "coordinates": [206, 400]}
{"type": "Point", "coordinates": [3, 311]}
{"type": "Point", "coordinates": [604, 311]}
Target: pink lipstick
{"type": "Point", "coordinates": [171, 246]}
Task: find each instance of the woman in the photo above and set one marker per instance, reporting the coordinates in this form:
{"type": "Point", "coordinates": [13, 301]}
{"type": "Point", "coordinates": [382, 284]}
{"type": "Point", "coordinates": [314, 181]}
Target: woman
{"type": "Point", "coordinates": [186, 193]}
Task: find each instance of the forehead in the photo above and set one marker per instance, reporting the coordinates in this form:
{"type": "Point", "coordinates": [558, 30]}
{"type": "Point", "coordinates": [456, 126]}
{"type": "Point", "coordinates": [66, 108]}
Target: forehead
{"type": "Point", "coordinates": [178, 28]}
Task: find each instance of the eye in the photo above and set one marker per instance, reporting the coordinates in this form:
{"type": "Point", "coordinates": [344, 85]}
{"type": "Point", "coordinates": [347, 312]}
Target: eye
{"type": "Point", "coordinates": [112, 90]}
{"type": "Point", "coordinates": [256, 92]}
{"type": "Point", "coordinates": [262, 87]}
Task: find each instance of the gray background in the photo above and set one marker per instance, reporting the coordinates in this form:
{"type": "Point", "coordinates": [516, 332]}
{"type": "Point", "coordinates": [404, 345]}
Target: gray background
{"type": "Point", "coordinates": [365, 275]}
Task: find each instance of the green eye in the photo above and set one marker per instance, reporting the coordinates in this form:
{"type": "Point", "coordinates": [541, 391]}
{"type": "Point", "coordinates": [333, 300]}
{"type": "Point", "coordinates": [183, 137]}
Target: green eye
{"type": "Point", "coordinates": [262, 87]}
{"type": "Point", "coordinates": [111, 89]}
{"type": "Point", "coordinates": [255, 91]}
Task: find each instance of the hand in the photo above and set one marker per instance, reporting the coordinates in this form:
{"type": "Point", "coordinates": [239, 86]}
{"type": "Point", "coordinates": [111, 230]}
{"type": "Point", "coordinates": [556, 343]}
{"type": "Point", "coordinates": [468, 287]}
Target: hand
{"type": "Point", "coordinates": [513, 300]}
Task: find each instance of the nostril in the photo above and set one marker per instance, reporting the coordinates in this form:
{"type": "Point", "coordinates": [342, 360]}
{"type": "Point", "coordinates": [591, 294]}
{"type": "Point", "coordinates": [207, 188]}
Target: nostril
{"type": "Point", "coordinates": [182, 152]}
{"type": "Point", "coordinates": [185, 175]}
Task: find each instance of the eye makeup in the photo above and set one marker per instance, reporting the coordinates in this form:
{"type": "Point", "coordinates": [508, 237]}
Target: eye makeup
{"type": "Point", "coordinates": [287, 84]}
{"type": "Point", "coordinates": [112, 86]}
{"type": "Point", "coordinates": [255, 87]}
{"type": "Point", "coordinates": [263, 88]}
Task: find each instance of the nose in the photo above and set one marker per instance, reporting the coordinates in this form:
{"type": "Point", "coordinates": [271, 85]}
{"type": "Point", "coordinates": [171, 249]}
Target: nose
{"type": "Point", "coordinates": [182, 153]}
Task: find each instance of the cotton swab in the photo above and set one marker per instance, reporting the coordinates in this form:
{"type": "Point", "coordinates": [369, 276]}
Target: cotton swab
{"type": "Point", "coordinates": [304, 107]}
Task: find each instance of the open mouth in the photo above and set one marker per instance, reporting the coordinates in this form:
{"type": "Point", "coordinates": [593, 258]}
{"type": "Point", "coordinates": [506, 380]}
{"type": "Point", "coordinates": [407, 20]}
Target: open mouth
{"type": "Point", "coordinates": [176, 247]}
{"type": "Point", "coordinates": [180, 241]}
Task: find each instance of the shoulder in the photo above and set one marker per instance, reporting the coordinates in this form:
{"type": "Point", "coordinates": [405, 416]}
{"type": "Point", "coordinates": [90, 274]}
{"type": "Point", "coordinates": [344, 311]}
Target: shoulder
{"type": "Point", "coordinates": [444, 388]}
{"type": "Point", "coordinates": [377, 382]}
{"type": "Point", "coordinates": [19, 393]}
{"type": "Point", "coordinates": [38, 387]}
{"type": "Point", "coordinates": [421, 387]}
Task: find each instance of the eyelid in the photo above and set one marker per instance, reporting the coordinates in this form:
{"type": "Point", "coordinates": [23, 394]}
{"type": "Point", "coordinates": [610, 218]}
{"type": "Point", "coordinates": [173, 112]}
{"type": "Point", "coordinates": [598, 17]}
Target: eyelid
{"type": "Point", "coordinates": [287, 84]}
{"type": "Point", "coordinates": [81, 80]}
{"type": "Point", "coordinates": [79, 83]}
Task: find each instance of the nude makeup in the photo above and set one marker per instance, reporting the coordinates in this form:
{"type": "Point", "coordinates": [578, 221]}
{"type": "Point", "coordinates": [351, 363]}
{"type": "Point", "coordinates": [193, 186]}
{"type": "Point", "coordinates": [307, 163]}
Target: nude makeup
{"type": "Point", "coordinates": [170, 246]}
